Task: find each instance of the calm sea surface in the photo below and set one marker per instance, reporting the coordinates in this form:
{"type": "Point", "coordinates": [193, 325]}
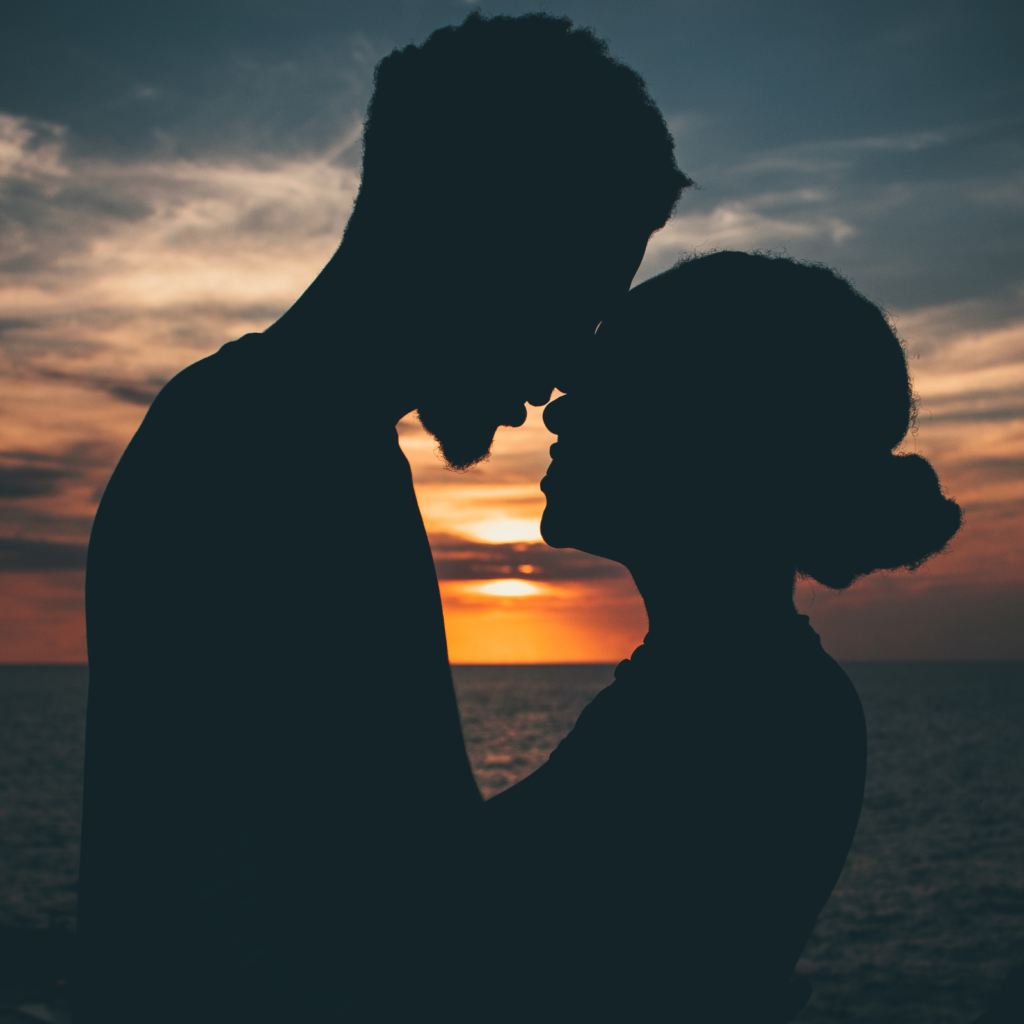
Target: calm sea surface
{"type": "Point", "coordinates": [926, 920]}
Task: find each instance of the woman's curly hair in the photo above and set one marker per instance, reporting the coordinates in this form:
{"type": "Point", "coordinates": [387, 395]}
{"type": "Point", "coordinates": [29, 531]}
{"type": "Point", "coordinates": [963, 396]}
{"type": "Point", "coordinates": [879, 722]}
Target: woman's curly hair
{"type": "Point", "coordinates": [818, 400]}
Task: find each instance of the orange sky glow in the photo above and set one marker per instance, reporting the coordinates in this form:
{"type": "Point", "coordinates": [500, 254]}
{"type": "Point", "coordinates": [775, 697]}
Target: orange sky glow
{"type": "Point", "coordinates": [218, 249]}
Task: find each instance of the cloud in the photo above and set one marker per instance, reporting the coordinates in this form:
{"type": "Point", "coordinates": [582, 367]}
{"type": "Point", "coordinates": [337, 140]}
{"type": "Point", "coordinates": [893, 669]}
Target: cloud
{"type": "Point", "coordinates": [114, 275]}
{"type": "Point", "coordinates": [30, 481]}
{"type": "Point", "coordinates": [970, 420]}
{"type": "Point", "coordinates": [916, 218]}
{"type": "Point", "coordinates": [23, 520]}
{"type": "Point", "coordinates": [828, 156]}
{"type": "Point", "coordinates": [959, 351]}
{"type": "Point", "coordinates": [134, 392]}
{"type": "Point", "coordinates": [122, 262]}
{"type": "Point", "coordinates": [82, 454]}
{"type": "Point", "coordinates": [744, 224]}
{"type": "Point", "coordinates": [799, 198]}
{"type": "Point", "coordinates": [18, 555]}
{"type": "Point", "coordinates": [488, 512]}
{"type": "Point", "coordinates": [920, 222]}
{"type": "Point", "coordinates": [457, 558]}
{"type": "Point", "coordinates": [974, 407]}
{"type": "Point", "coordinates": [49, 497]}
{"type": "Point", "coordinates": [1011, 468]}
{"type": "Point", "coordinates": [210, 161]}
{"type": "Point", "coordinates": [976, 376]}
{"type": "Point", "coordinates": [30, 150]}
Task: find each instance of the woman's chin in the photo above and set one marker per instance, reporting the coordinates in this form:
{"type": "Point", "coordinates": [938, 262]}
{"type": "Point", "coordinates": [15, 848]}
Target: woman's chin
{"type": "Point", "coordinates": [563, 528]}
{"type": "Point", "coordinates": [564, 531]}
{"type": "Point", "coordinates": [555, 531]}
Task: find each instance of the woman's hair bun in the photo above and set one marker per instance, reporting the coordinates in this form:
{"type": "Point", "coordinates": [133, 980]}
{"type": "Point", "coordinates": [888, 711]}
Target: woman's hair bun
{"type": "Point", "coordinates": [788, 363]}
{"type": "Point", "coordinates": [887, 512]}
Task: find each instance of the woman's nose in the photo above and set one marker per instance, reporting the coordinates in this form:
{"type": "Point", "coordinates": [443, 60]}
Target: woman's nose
{"type": "Point", "coordinates": [556, 414]}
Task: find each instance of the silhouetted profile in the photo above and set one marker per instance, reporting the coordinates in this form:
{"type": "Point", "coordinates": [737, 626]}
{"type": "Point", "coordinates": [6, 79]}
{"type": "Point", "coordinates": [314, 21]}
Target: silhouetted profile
{"type": "Point", "coordinates": [735, 427]}
{"type": "Point", "coordinates": [278, 804]}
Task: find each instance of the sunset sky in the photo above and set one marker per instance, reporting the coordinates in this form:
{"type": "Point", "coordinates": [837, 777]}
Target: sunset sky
{"type": "Point", "coordinates": [173, 176]}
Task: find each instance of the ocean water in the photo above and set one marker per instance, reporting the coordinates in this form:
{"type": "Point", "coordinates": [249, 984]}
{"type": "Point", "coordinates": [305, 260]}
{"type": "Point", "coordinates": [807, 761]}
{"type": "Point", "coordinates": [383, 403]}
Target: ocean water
{"type": "Point", "coordinates": [42, 737]}
{"type": "Point", "coordinates": [926, 920]}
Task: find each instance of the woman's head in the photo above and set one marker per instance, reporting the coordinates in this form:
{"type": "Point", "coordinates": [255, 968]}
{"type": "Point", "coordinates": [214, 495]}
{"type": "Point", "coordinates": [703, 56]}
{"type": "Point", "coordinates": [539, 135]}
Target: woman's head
{"type": "Point", "coordinates": [744, 404]}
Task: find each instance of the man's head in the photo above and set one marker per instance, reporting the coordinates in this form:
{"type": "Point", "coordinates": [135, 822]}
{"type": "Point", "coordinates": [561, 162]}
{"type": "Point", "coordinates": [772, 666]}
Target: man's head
{"type": "Point", "coordinates": [515, 171]}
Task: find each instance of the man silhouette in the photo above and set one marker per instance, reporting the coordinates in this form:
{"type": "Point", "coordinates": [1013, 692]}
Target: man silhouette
{"type": "Point", "coordinates": [279, 812]}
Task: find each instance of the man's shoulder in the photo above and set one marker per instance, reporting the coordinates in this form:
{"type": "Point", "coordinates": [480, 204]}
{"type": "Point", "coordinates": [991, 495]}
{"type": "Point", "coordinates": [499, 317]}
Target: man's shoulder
{"type": "Point", "coordinates": [224, 380]}
{"type": "Point", "coordinates": [197, 404]}
{"type": "Point", "coordinates": [249, 349]}
{"type": "Point", "coordinates": [228, 360]}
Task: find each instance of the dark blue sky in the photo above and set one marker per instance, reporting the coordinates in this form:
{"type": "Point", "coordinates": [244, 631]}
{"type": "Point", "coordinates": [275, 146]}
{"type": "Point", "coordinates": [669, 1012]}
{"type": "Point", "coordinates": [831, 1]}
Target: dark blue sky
{"type": "Point", "coordinates": [907, 114]}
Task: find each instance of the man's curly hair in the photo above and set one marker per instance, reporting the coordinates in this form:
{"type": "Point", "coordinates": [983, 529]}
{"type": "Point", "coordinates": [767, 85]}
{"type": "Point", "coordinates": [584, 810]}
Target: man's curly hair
{"type": "Point", "coordinates": [528, 111]}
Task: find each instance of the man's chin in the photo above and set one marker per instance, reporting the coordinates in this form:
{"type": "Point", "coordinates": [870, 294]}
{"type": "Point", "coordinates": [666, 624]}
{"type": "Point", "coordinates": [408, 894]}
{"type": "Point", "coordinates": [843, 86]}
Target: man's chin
{"type": "Point", "coordinates": [465, 436]}
{"type": "Point", "coordinates": [464, 452]}
{"type": "Point", "coordinates": [462, 444]}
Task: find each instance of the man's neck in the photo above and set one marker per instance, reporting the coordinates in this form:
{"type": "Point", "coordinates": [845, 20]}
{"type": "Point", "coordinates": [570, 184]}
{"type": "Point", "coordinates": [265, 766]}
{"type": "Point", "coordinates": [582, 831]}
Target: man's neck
{"type": "Point", "coordinates": [356, 327]}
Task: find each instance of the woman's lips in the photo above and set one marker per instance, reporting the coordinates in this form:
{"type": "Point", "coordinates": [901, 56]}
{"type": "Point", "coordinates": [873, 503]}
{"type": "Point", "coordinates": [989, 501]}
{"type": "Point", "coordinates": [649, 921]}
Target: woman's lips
{"type": "Point", "coordinates": [556, 475]}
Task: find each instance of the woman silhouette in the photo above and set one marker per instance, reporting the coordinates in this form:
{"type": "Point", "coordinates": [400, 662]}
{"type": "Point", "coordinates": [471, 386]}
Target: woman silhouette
{"type": "Point", "coordinates": [735, 427]}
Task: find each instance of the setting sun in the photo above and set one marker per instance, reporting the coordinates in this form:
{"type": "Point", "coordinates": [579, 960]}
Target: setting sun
{"type": "Point", "coordinates": [506, 588]}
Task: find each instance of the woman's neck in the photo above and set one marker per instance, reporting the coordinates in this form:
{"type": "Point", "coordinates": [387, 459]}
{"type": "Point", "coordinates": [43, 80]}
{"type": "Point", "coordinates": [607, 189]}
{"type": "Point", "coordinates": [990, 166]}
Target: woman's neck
{"type": "Point", "coordinates": [685, 601]}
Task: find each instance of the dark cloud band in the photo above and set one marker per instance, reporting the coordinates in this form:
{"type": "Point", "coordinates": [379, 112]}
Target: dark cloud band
{"type": "Point", "coordinates": [460, 559]}
{"type": "Point", "coordinates": [18, 555]}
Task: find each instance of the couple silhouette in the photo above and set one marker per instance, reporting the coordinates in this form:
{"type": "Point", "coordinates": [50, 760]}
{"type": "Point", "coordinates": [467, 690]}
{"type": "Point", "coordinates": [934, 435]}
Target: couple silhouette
{"type": "Point", "coordinates": [280, 819]}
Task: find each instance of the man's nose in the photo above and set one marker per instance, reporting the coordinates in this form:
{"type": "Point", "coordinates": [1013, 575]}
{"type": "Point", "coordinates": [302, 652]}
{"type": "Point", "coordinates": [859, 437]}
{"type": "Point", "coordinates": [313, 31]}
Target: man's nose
{"type": "Point", "coordinates": [540, 395]}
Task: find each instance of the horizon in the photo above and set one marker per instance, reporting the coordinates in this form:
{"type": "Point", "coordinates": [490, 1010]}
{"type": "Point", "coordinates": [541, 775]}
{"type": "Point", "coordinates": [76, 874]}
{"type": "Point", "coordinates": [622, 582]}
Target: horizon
{"type": "Point", "coordinates": [600, 664]}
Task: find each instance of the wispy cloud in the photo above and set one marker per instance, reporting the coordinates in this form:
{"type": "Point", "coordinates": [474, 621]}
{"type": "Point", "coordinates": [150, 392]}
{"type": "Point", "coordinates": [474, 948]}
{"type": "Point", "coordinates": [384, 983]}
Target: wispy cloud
{"type": "Point", "coordinates": [770, 221]}
{"type": "Point", "coordinates": [977, 375]}
{"type": "Point", "coordinates": [31, 481]}
{"type": "Point", "coordinates": [916, 219]}
{"type": "Point", "coordinates": [51, 496]}
{"type": "Point", "coordinates": [115, 275]}
{"type": "Point", "coordinates": [831, 155]}
{"type": "Point", "coordinates": [18, 555]}
{"type": "Point", "coordinates": [142, 259]}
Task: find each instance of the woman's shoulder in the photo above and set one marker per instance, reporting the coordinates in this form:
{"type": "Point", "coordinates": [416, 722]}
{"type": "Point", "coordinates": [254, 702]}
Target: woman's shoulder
{"type": "Point", "coordinates": [734, 686]}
